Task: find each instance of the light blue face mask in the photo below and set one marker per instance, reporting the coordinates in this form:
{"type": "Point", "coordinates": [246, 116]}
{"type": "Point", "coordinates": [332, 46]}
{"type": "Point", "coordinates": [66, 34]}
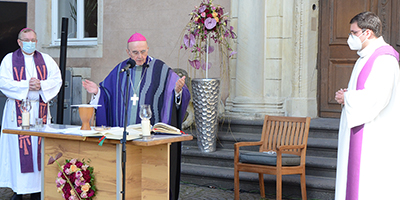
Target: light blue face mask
{"type": "Point", "coordinates": [29, 47]}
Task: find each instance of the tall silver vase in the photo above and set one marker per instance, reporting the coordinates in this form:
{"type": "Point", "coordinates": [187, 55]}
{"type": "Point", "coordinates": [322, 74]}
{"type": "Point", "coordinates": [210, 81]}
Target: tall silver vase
{"type": "Point", "coordinates": [205, 102]}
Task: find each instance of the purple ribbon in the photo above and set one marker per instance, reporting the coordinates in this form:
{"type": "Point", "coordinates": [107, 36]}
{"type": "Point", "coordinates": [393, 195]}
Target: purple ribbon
{"type": "Point", "coordinates": [24, 141]}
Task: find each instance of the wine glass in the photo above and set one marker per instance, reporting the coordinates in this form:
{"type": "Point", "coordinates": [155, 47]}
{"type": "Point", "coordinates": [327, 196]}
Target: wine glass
{"type": "Point", "coordinates": [145, 111]}
{"type": "Point", "coordinates": [25, 108]}
{"type": "Point", "coordinates": [145, 115]}
{"type": "Point", "coordinates": [25, 105]}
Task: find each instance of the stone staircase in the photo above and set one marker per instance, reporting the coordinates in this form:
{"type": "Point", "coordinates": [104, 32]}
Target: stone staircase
{"type": "Point", "coordinates": [216, 169]}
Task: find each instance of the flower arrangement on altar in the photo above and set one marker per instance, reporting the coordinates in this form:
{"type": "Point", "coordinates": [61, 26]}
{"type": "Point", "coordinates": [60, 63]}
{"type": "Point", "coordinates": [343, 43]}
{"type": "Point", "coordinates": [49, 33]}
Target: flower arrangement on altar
{"type": "Point", "coordinates": [75, 180]}
{"type": "Point", "coordinates": [207, 22]}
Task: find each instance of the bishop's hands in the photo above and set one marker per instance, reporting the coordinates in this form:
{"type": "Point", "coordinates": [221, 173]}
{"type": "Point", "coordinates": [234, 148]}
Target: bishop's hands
{"type": "Point", "coordinates": [339, 96]}
{"type": "Point", "coordinates": [179, 84]}
{"type": "Point", "coordinates": [34, 84]}
{"type": "Point", "coordinates": [90, 86]}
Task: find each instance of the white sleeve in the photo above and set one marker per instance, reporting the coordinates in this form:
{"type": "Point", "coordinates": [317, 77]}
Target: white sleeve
{"type": "Point", "coordinates": [362, 106]}
{"type": "Point", "coordinates": [95, 98]}
{"type": "Point", "coordinates": [11, 88]}
{"type": "Point", "coordinates": [178, 98]}
{"type": "Point", "coordinates": [50, 87]}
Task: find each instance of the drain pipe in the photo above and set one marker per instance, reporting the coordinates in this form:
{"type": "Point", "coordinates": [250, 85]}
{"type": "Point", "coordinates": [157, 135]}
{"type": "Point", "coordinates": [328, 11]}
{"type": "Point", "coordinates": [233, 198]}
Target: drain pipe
{"type": "Point", "coordinates": [63, 59]}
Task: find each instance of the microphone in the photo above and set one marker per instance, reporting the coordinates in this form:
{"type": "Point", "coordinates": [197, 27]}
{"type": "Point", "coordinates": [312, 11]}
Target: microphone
{"type": "Point", "coordinates": [131, 63]}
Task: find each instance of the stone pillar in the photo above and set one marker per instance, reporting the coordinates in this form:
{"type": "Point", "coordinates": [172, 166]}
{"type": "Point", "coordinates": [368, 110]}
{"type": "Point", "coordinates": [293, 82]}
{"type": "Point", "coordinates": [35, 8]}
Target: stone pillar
{"type": "Point", "coordinates": [247, 95]}
{"type": "Point", "coordinates": [250, 60]}
{"type": "Point", "coordinates": [274, 71]}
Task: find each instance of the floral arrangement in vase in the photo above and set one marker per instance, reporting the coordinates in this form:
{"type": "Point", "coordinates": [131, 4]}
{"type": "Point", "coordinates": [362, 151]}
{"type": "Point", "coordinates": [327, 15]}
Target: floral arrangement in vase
{"type": "Point", "coordinates": [75, 180]}
{"type": "Point", "coordinates": [207, 22]}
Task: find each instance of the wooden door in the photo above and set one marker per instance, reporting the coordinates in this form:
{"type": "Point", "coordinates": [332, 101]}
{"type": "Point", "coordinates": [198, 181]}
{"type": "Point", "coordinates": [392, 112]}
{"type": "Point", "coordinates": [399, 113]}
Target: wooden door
{"type": "Point", "coordinates": [336, 60]}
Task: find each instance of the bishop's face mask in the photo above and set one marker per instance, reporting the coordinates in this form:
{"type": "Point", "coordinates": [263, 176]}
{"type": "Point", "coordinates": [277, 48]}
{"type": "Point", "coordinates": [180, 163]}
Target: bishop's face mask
{"type": "Point", "coordinates": [29, 47]}
{"type": "Point", "coordinates": [354, 42]}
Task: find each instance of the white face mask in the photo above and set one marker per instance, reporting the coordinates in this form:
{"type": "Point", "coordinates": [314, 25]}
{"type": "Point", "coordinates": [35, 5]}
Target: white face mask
{"type": "Point", "coordinates": [354, 42]}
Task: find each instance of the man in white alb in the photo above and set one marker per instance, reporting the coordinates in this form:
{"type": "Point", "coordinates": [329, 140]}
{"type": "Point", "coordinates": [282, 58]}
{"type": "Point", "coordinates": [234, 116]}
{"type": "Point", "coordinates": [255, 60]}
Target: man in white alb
{"type": "Point", "coordinates": [25, 74]}
{"type": "Point", "coordinates": [369, 133]}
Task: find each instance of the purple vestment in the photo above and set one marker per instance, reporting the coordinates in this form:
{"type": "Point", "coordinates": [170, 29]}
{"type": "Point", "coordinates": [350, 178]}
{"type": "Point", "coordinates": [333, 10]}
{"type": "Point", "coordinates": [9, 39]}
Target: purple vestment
{"type": "Point", "coordinates": [156, 89]}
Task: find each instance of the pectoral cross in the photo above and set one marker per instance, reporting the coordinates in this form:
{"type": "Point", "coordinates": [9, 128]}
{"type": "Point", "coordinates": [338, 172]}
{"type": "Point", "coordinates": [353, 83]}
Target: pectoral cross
{"type": "Point", "coordinates": [134, 99]}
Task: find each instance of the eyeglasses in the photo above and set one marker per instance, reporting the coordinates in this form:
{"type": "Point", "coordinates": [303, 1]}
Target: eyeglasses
{"type": "Point", "coordinates": [355, 32]}
{"type": "Point", "coordinates": [28, 40]}
{"type": "Point", "coordinates": [136, 53]}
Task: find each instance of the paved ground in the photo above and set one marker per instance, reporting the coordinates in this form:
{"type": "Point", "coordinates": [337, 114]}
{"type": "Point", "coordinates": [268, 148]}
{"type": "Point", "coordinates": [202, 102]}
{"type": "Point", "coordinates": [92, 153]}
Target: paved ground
{"type": "Point", "coordinates": [199, 192]}
{"type": "Point", "coordinates": [187, 192]}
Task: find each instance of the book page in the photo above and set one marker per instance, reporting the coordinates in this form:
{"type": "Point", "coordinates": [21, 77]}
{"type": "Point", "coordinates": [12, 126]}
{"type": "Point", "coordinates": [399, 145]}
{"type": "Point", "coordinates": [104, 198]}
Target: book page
{"type": "Point", "coordinates": [117, 133]}
{"type": "Point", "coordinates": [157, 128]}
{"type": "Point", "coordinates": [165, 128]}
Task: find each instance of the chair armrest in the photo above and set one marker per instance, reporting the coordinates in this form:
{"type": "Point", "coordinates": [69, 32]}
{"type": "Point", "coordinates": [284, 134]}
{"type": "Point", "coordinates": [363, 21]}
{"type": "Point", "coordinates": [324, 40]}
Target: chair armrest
{"type": "Point", "coordinates": [285, 147]}
{"type": "Point", "coordinates": [280, 149]}
{"type": "Point", "coordinates": [242, 144]}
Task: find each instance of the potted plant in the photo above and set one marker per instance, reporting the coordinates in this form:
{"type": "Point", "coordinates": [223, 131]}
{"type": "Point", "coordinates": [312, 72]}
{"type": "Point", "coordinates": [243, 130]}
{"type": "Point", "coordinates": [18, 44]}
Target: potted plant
{"type": "Point", "coordinates": [208, 25]}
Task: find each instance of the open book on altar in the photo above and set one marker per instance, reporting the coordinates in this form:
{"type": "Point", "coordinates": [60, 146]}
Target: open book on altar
{"type": "Point", "coordinates": [135, 131]}
{"type": "Point", "coordinates": [159, 128]}
{"type": "Point", "coordinates": [115, 133]}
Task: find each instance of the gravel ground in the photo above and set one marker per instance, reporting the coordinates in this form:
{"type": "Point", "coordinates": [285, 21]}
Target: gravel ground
{"type": "Point", "coordinates": [187, 192]}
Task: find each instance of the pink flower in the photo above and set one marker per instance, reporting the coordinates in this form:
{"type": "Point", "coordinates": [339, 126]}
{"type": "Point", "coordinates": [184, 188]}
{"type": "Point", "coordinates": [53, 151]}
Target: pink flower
{"type": "Point", "coordinates": [84, 167]}
{"type": "Point", "coordinates": [84, 195]}
{"type": "Point", "coordinates": [210, 49]}
{"type": "Point", "coordinates": [232, 53]}
{"type": "Point", "coordinates": [60, 182]}
{"type": "Point", "coordinates": [189, 40]}
{"type": "Point", "coordinates": [78, 182]}
{"type": "Point", "coordinates": [210, 23]}
{"type": "Point", "coordinates": [73, 161]}
{"type": "Point", "coordinates": [202, 8]}
{"type": "Point", "coordinates": [73, 198]}
{"type": "Point", "coordinates": [203, 65]}
{"type": "Point", "coordinates": [207, 21]}
{"type": "Point", "coordinates": [78, 174]}
{"type": "Point", "coordinates": [195, 64]}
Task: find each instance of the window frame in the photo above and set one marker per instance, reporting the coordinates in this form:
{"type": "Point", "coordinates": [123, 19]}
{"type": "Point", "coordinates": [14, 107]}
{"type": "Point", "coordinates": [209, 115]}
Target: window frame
{"type": "Point", "coordinates": [80, 40]}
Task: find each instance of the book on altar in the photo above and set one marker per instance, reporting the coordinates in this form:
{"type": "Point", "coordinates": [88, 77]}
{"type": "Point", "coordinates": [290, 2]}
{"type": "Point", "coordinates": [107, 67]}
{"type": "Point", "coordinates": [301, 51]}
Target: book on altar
{"type": "Point", "coordinates": [159, 128]}
{"type": "Point", "coordinates": [115, 133]}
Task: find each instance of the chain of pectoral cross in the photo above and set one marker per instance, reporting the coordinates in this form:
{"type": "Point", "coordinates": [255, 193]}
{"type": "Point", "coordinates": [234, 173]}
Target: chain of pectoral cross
{"type": "Point", "coordinates": [135, 97]}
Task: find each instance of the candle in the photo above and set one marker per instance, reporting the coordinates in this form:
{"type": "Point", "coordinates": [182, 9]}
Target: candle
{"type": "Point", "coordinates": [146, 127]}
{"type": "Point", "coordinates": [25, 118]}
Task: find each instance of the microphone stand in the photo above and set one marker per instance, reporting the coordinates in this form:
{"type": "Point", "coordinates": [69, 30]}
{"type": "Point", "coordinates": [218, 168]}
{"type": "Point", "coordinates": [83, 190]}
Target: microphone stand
{"type": "Point", "coordinates": [125, 133]}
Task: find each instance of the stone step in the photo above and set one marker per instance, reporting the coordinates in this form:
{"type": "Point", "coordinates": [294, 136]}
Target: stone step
{"type": "Point", "coordinates": [317, 187]}
{"type": "Point", "coordinates": [319, 127]}
{"type": "Point", "coordinates": [316, 166]}
{"type": "Point", "coordinates": [323, 147]}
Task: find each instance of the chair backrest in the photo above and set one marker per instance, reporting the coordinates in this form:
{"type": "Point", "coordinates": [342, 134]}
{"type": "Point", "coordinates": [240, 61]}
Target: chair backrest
{"type": "Point", "coordinates": [278, 131]}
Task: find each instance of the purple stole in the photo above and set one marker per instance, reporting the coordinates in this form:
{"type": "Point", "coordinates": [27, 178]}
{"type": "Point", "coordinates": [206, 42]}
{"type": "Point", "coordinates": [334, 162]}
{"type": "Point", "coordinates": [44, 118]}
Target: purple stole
{"type": "Point", "coordinates": [25, 144]}
{"type": "Point", "coordinates": [356, 133]}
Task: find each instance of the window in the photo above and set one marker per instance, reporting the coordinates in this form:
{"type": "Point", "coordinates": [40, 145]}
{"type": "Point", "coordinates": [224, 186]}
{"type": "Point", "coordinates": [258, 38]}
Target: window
{"type": "Point", "coordinates": [82, 21]}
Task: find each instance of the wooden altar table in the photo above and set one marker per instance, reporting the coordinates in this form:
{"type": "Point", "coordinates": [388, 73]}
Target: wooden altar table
{"type": "Point", "coordinates": [147, 162]}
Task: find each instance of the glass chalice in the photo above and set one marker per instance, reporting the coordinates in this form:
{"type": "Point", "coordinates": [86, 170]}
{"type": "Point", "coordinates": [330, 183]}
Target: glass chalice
{"type": "Point", "coordinates": [25, 108]}
{"type": "Point", "coordinates": [145, 114]}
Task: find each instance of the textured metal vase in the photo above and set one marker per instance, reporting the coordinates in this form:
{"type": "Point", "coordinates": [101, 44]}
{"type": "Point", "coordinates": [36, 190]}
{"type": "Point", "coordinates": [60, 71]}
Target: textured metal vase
{"type": "Point", "coordinates": [205, 103]}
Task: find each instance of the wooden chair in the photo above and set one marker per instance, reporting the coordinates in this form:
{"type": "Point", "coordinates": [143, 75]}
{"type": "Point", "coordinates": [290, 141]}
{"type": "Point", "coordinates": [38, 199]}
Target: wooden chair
{"type": "Point", "coordinates": [282, 151]}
